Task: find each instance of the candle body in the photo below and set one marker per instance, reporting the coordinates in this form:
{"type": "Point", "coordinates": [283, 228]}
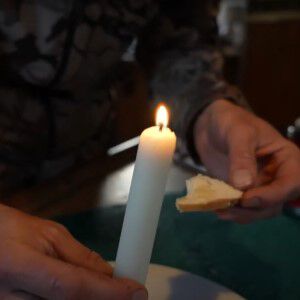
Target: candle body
{"type": "Point", "coordinates": [147, 189]}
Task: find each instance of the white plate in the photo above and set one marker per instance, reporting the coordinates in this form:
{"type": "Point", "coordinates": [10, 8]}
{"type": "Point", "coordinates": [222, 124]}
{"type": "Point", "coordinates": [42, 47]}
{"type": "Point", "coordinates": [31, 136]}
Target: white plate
{"type": "Point", "coordinates": [165, 283]}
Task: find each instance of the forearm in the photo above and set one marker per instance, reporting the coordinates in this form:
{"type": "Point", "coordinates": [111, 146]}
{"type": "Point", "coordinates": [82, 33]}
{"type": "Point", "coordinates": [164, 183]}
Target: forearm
{"type": "Point", "coordinates": [190, 91]}
{"type": "Point", "coordinates": [184, 67]}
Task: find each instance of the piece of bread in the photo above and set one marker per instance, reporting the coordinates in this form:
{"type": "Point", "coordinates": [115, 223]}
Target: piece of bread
{"type": "Point", "coordinates": [207, 194]}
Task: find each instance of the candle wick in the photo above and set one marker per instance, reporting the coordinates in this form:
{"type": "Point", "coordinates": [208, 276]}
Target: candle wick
{"type": "Point", "coordinates": [161, 125]}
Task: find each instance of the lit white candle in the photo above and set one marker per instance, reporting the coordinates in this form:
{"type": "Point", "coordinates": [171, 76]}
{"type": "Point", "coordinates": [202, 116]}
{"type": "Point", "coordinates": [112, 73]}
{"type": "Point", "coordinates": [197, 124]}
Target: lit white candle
{"type": "Point", "coordinates": [154, 157]}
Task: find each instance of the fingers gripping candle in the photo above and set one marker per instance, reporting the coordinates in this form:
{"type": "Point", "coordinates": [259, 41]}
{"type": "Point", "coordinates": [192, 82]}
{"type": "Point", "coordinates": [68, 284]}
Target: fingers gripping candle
{"type": "Point", "coordinates": [154, 157]}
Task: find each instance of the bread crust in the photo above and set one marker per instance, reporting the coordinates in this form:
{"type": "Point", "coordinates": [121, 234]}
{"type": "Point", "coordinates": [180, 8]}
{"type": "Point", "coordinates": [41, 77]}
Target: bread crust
{"type": "Point", "coordinates": [185, 206]}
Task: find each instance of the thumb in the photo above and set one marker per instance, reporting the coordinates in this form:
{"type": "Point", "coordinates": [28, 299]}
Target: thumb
{"type": "Point", "coordinates": [242, 158]}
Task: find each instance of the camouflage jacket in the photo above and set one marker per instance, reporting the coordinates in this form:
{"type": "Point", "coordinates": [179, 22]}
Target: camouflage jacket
{"type": "Point", "coordinates": [58, 60]}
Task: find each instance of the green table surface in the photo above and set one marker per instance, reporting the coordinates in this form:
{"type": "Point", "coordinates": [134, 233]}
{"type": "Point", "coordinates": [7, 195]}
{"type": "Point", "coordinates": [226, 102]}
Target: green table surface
{"type": "Point", "coordinates": [258, 261]}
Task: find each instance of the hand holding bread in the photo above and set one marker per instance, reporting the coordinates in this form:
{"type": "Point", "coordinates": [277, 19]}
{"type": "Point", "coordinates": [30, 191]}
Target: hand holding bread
{"type": "Point", "coordinates": [237, 146]}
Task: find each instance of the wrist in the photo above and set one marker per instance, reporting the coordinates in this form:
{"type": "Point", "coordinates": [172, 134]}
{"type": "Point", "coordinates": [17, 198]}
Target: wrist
{"type": "Point", "coordinates": [208, 120]}
{"type": "Point", "coordinates": [202, 120]}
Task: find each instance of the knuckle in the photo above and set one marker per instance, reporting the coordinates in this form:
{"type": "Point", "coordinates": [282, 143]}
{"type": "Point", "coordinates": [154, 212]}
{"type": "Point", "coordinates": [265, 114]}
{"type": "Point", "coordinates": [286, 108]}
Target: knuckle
{"type": "Point", "coordinates": [59, 226]}
{"type": "Point", "coordinates": [93, 257]}
{"type": "Point", "coordinates": [57, 287]}
{"type": "Point", "coordinates": [54, 230]}
{"type": "Point", "coordinates": [62, 228]}
{"type": "Point", "coordinates": [95, 260]}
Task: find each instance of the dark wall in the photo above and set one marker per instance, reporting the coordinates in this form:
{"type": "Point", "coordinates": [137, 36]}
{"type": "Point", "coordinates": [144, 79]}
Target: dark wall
{"type": "Point", "coordinates": [270, 75]}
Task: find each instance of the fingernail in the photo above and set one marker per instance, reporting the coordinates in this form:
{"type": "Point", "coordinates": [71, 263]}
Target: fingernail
{"type": "Point", "coordinates": [242, 178]}
{"type": "Point", "coordinates": [140, 295]}
{"type": "Point", "coordinates": [252, 203]}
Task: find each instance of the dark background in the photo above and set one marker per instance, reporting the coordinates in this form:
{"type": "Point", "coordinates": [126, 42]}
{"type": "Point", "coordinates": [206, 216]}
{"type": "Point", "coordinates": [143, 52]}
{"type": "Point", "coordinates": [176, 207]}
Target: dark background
{"type": "Point", "coordinates": [264, 63]}
{"type": "Point", "coordinates": [267, 68]}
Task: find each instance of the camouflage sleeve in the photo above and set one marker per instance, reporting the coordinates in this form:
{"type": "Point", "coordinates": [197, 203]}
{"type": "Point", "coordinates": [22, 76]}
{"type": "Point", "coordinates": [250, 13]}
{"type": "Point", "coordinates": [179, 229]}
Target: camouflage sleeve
{"type": "Point", "coordinates": [179, 53]}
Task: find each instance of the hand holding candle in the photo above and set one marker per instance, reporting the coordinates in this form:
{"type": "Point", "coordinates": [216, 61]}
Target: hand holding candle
{"type": "Point", "coordinates": [154, 157]}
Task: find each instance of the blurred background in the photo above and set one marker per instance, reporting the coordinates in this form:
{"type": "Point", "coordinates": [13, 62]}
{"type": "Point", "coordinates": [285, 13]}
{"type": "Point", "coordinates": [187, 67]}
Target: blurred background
{"type": "Point", "coordinates": [260, 40]}
{"type": "Point", "coordinates": [262, 55]}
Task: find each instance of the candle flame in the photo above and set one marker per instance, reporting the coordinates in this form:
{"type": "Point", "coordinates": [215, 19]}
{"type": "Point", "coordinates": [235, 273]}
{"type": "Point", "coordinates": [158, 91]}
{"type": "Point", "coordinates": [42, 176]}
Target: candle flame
{"type": "Point", "coordinates": [162, 116]}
